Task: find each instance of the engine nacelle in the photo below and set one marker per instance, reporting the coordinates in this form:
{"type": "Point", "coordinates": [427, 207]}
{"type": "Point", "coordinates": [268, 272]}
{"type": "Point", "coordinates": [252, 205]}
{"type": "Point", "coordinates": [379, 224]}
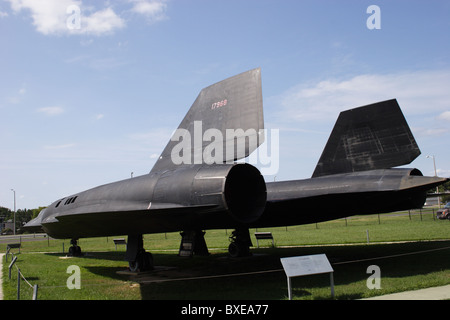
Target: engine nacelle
{"type": "Point", "coordinates": [238, 189]}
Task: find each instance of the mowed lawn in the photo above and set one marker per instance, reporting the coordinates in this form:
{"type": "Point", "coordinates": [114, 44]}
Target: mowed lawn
{"type": "Point", "coordinates": [351, 245]}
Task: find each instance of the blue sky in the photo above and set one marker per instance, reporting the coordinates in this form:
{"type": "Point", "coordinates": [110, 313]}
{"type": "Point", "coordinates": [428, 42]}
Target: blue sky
{"type": "Point", "coordinates": [88, 106]}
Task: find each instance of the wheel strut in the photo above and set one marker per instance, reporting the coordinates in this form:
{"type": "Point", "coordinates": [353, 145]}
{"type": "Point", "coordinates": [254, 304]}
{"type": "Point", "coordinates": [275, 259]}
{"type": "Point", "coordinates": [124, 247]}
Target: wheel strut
{"type": "Point", "coordinates": [138, 259]}
{"type": "Point", "coordinates": [240, 243]}
{"type": "Point", "coordinates": [74, 250]}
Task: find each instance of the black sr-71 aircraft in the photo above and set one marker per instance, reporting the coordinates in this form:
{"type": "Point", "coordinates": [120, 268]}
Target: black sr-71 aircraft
{"type": "Point", "coordinates": [196, 184]}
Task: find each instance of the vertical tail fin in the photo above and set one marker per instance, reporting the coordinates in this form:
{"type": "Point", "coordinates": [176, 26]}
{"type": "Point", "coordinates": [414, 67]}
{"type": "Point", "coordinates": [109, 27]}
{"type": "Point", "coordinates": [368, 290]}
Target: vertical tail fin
{"type": "Point", "coordinates": [223, 115]}
{"type": "Point", "coordinates": [371, 137]}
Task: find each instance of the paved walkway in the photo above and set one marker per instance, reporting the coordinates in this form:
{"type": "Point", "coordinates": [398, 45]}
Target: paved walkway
{"type": "Point", "coordinates": [435, 293]}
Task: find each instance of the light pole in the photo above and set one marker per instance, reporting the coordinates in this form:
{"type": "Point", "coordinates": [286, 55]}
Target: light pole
{"type": "Point", "coordinates": [14, 228]}
{"type": "Point", "coordinates": [435, 174]}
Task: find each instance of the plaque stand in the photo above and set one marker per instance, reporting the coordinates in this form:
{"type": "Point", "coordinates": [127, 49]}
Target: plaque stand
{"type": "Point", "coordinates": [307, 265]}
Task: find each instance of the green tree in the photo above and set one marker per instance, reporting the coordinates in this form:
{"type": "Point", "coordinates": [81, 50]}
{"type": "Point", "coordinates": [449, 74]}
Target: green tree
{"type": "Point", "coordinates": [5, 213]}
{"type": "Point", "coordinates": [445, 188]}
{"type": "Point", "coordinates": [22, 215]}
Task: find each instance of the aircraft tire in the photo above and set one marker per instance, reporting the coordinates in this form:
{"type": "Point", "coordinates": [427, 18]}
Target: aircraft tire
{"type": "Point", "coordinates": [75, 251]}
{"type": "Point", "coordinates": [233, 250]}
{"type": "Point", "coordinates": [143, 262]}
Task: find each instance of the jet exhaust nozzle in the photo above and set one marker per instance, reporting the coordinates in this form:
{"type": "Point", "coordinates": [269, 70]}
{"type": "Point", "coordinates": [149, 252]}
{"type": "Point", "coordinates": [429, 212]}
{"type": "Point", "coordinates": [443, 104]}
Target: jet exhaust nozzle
{"type": "Point", "coordinates": [245, 193]}
{"type": "Point", "coordinates": [238, 189]}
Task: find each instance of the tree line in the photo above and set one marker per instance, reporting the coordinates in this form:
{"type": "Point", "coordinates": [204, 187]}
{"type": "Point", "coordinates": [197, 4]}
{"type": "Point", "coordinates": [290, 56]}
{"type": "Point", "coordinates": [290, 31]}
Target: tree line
{"type": "Point", "coordinates": [22, 216]}
{"type": "Point", "coordinates": [443, 188]}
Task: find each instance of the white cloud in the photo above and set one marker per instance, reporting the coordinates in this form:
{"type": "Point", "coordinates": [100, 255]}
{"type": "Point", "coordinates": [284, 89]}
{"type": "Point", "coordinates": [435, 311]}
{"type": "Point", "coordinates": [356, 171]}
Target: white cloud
{"type": "Point", "coordinates": [444, 116]}
{"type": "Point", "coordinates": [62, 17]}
{"type": "Point", "coordinates": [421, 131]}
{"type": "Point", "coordinates": [51, 111]}
{"type": "Point", "coordinates": [154, 10]}
{"type": "Point", "coordinates": [443, 172]}
{"type": "Point", "coordinates": [101, 22]}
{"type": "Point", "coordinates": [50, 17]}
{"type": "Point", "coordinates": [418, 93]}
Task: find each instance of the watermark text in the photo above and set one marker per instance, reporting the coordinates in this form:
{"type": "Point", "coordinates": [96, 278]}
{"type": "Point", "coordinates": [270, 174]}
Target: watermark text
{"type": "Point", "coordinates": [374, 281]}
{"type": "Point", "coordinates": [214, 146]}
{"type": "Point", "coordinates": [374, 20]}
{"type": "Point", "coordinates": [74, 280]}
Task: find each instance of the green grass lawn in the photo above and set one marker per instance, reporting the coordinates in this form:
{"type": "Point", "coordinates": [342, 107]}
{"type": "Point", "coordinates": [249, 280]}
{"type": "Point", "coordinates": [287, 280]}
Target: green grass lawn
{"type": "Point", "coordinates": [426, 263]}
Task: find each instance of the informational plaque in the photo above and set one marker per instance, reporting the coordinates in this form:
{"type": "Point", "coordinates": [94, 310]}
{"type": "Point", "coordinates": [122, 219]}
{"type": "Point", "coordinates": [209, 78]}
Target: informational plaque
{"type": "Point", "coordinates": [307, 265]}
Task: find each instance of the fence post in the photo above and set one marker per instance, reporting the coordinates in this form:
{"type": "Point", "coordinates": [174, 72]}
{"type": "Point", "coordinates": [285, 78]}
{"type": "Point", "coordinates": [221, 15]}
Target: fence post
{"type": "Point", "coordinates": [18, 284]}
{"type": "Point", "coordinates": [11, 265]}
{"type": "Point", "coordinates": [35, 292]}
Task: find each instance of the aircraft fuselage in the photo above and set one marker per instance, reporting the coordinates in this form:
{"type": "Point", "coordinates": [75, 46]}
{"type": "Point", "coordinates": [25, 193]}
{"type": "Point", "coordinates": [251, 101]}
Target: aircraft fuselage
{"type": "Point", "coordinates": [129, 207]}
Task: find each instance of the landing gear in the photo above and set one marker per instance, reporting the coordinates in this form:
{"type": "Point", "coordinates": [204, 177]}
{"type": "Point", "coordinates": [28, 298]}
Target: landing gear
{"type": "Point", "coordinates": [143, 262]}
{"type": "Point", "coordinates": [240, 243]}
{"type": "Point", "coordinates": [74, 250]}
{"type": "Point", "coordinates": [138, 259]}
